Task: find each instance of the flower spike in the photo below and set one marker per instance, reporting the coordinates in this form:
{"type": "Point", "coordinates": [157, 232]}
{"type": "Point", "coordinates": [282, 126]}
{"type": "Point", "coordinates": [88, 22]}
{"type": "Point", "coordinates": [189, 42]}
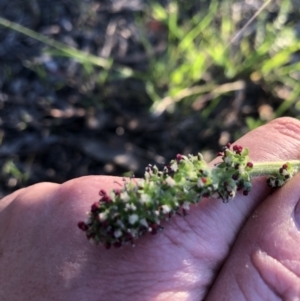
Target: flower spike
{"type": "Point", "coordinates": [123, 215]}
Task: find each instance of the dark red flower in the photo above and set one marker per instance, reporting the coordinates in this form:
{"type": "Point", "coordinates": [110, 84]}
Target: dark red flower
{"type": "Point", "coordinates": [105, 199]}
{"type": "Point", "coordinates": [250, 164]}
{"type": "Point", "coordinates": [238, 149]}
{"type": "Point", "coordinates": [95, 207]}
{"type": "Point", "coordinates": [82, 225]}
{"type": "Point", "coordinates": [102, 192]}
{"type": "Point", "coordinates": [179, 157]}
{"type": "Point", "coordinates": [204, 180]}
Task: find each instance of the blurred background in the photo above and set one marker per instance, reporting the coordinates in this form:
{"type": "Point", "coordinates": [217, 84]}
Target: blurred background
{"type": "Point", "coordinates": [106, 87]}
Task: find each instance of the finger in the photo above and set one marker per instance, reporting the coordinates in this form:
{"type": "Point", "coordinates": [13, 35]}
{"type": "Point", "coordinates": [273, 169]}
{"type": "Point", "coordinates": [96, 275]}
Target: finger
{"type": "Point", "coordinates": [264, 263]}
{"type": "Point", "coordinates": [4, 202]}
{"type": "Point", "coordinates": [8, 210]}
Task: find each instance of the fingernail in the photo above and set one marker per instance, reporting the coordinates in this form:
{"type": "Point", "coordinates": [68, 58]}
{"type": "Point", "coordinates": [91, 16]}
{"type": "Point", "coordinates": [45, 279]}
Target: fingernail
{"type": "Point", "coordinates": [297, 214]}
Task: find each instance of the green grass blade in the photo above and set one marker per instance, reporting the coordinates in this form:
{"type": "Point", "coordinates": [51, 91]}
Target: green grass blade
{"type": "Point", "coordinates": [65, 50]}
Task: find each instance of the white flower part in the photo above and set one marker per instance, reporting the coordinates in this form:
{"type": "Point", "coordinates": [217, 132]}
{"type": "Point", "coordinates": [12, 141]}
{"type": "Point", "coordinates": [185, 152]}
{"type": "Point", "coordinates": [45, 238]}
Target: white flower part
{"type": "Point", "coordinates": [124, 196]}
{"type": "Point", "coordinates": [186, 205]}
{"type": "Point", "coordinates": [232, 194]}
{"type": "Point", "coordinates": [133, 232]}
{"type": "Point", "coordinates": [117, 233]}
{"type": "Point", "coordinates": [145, 198]}
{"type": "Point", "coordinates": [186, 189]}
{"type": "Point", "coordinates": [200, 184]}
{"type": "Point", "coordinates": [174, 166]}
{"type": "Point", "coordinates": [103, 216]}
{"type": "Point", "coordinates": [215, 186]}
{"type": "Point", "coordinates": [130, 207]}
{"type": "Point", "coordinates": [228, 160]}
{"type": "Point", "coordinates": [271, 182]}
{"type": "Point", "coordinates": [170, 181]}
{"type": "Point", "coordinates": [88, 221]}
{"type": "Point", "coordinates": [284, 172]}
{"type": "Point", "coordinates": [151, 186]}
{"type": "Point", "coordinates": [120, 224]}
{"type": "Point", "coordinates": [166, 209]}
{"type": "Point", "coordinates": [133, 218]}
{"type": "Point", "coordinates": [144, 223]}
{"type": "Point", "coordinates": [112, 196]}
{"type": "Point", "coordinates": [156, 212]}
{"type": "Point", "coordinates": [141, 183]}
{"type": "Point", "coordinates": [241, 169]}
{"type": "Point", "coordinates": [115, 215]}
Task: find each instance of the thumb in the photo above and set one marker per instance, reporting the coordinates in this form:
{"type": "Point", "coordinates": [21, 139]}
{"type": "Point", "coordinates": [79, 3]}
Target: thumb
{"type": "Point", "coordinates": [264, 263]}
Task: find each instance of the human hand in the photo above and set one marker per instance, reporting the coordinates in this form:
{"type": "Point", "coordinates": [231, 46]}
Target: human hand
{"type": "Point", "coordinates": [246, 249]}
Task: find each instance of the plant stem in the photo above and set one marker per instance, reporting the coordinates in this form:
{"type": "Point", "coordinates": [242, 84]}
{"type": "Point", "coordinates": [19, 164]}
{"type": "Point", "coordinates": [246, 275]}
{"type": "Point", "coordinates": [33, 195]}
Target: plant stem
{"type": "Point", "coordinates": [270, 168]}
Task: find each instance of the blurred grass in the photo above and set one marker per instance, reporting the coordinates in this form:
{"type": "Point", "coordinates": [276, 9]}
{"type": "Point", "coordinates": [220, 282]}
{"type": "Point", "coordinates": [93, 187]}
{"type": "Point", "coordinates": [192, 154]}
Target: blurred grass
{"type": "Point", "coordinates": [14, 173]}
{"type": "Point", "coordinates": [209, 54]}
{"type": "Point", "coordinates": [60, 49]}
{"type": "Point", "coordinates": [202, 44]}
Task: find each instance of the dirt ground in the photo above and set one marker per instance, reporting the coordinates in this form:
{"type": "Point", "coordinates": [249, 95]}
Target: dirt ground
{"type": "Point", "coordinates": [57, 123]}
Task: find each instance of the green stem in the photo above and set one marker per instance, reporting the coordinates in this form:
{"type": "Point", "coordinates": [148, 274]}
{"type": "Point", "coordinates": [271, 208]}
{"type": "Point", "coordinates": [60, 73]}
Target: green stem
{"type": "Point", "coordinates": [270, 168]}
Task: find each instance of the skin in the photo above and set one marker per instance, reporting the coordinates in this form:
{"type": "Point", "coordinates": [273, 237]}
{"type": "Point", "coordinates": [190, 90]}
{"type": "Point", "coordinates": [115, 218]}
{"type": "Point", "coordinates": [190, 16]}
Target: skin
{"type": "Point", "coordinates": [244, 250]}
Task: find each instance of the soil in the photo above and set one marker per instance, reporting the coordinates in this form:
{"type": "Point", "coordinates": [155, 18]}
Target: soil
{"type": "Point", "coordinates": [57, 122]}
